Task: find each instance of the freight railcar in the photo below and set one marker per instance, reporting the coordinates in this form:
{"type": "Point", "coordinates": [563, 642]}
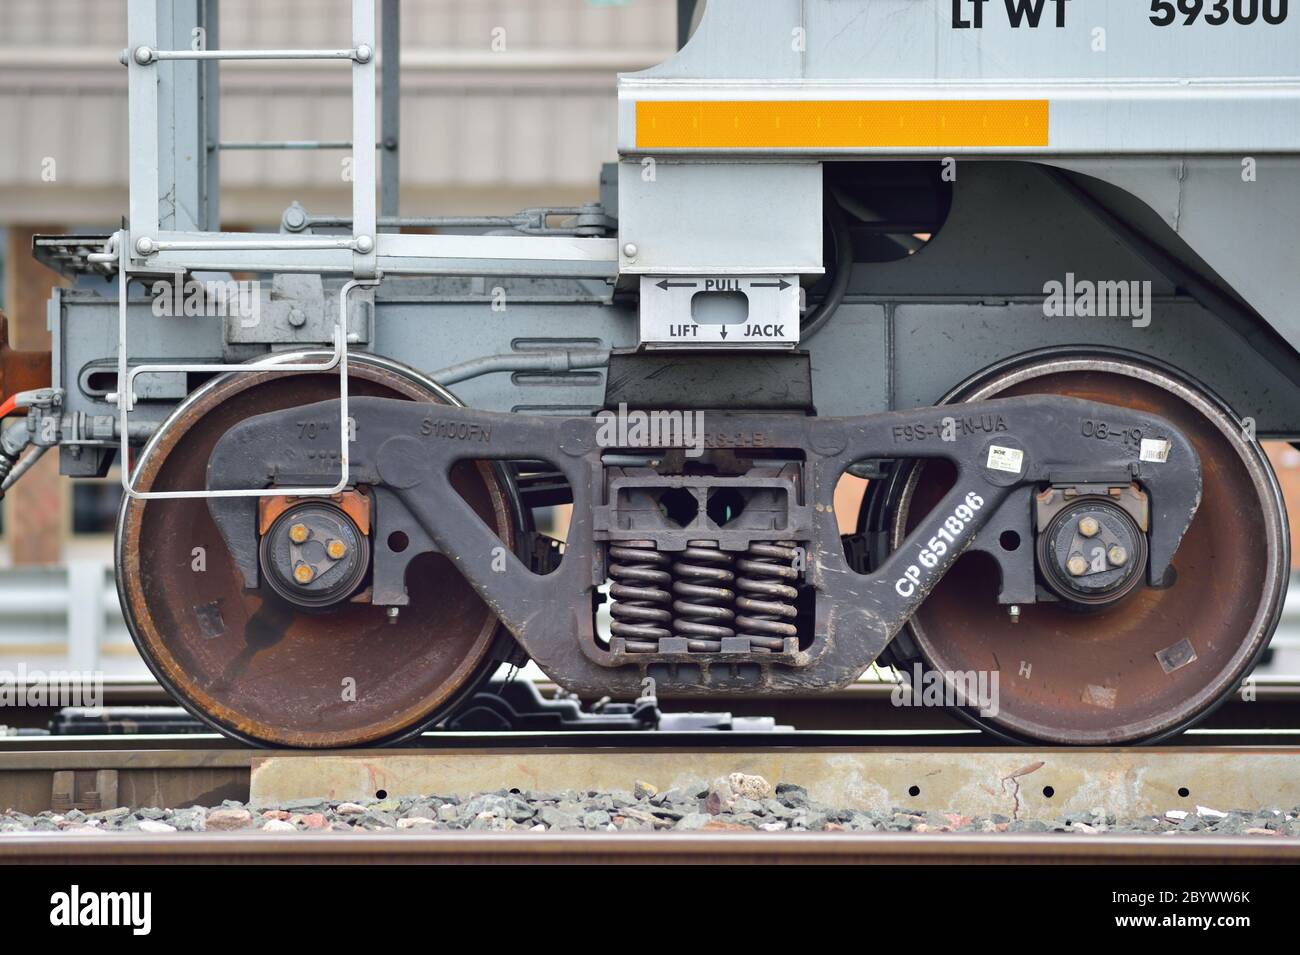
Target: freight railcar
{"type": "Point", "coordinates": [1026, 266]}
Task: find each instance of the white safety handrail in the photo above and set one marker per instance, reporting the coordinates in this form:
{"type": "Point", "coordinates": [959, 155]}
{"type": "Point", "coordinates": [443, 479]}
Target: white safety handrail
{"type": "Point", "coordinates": [125, 398]}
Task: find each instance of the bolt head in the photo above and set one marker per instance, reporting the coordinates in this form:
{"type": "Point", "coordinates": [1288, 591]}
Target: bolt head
{"type": "Point", "coordinates": [143, 55]}
{"type": "Point", "coordinates": [1117, 555]}
{"type": "Point", "coordinates": [336, 549]}
{"type": "Point", "coordinates": [303, 574]}
{"type": "Point", "coordinates": [1089, 526]}
{"type": "Point", "coordinates": [364, 53]}
{"type": "Point", "coordinates": [299, 533]}
{"type": "Point", "coordinates": [630, 250]}
{"type": "Point", "coordinates": [296, 318]}
{"type": "Point", "coordinates": [144, 245]}
{"type": "Point", "coordinates": [364, 244]}
{"type": "Point", "coordinates": [1076, 565]}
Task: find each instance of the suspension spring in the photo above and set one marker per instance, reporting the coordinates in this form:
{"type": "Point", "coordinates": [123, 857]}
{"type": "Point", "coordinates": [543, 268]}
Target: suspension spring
{"type": "Point", "coordinates": [767, 598]}
{"type": "Point", "coordinates": [703, 581]}
{"type": "Point", "coordinates": [640, 595]}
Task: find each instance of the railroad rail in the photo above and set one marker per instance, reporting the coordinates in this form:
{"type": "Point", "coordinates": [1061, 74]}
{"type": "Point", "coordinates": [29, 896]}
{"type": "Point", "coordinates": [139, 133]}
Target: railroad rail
{"type": "Point", "coordinates": [642, 849]}
{"type": "Point", "coordinates": [1265, 702]}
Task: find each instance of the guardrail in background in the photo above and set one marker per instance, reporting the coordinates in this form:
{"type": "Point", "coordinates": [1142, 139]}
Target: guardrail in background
{"type": "Point", "coordinates": [65, 617]}
{"type": "Point", "coordinates": [69, 618]}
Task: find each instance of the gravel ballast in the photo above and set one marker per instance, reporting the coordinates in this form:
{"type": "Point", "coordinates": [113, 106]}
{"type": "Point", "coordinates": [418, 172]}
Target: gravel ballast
{"type": "Point", "coordinates": [739, 803]}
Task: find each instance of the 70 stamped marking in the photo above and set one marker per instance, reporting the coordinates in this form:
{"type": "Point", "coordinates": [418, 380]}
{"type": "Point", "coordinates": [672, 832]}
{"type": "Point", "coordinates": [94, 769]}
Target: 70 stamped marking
{"type": "Point", "coordinates": [944, 539]}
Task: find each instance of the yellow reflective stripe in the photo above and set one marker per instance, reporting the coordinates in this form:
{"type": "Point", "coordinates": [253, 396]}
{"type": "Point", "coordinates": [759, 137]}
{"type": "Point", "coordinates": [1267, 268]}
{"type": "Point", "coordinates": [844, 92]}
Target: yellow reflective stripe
{"type": "Point", "coordinates": [839, 124]}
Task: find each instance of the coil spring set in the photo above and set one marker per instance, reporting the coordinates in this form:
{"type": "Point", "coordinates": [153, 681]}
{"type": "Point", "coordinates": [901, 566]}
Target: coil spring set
{"type": "Point", "coordinates": [705, 595]}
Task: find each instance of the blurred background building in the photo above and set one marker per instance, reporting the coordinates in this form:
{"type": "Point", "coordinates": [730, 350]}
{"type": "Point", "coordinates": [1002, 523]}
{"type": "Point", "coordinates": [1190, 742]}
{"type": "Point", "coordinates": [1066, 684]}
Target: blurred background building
{"type": "Point", "coordinates": [506, 104]}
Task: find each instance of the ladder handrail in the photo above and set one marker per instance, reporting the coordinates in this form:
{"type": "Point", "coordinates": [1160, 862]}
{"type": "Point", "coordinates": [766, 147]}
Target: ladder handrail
{"type": "Point", "coordinates": [144, 54]}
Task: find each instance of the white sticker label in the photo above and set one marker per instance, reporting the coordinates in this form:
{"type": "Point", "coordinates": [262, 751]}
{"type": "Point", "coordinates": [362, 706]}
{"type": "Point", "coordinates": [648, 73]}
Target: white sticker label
{"type": "Point", "coordinates": [1155, 450]}
{"type": "Point", "coordinates": [1010, 460]}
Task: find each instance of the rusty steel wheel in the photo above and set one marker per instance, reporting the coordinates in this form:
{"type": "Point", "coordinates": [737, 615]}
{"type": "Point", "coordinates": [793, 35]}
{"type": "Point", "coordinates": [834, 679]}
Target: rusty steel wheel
{"type": "Point", "coordinates": [252, 664]}
{"type": "Point", "coordinates": [1100, 676]}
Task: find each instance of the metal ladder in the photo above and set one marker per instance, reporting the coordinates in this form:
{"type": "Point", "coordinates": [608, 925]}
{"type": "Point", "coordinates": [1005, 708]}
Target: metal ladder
{"type": "Point", "coordinates": [149, 240]}
{"type": "Point", "coordinates": [153, 243]}
{"type": "Point", "coordinates": [144, 239]}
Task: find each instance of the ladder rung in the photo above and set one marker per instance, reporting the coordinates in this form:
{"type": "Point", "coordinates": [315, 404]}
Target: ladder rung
{"type": "Point", "coordinates": [145, 55]}
{"type": "Point", "coordinates": [285, 144]}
